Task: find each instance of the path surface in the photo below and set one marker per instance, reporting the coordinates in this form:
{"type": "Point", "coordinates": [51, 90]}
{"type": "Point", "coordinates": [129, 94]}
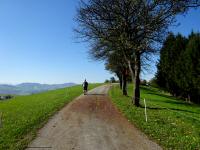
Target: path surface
{"type": "Point", "coordinates": [91, 122]}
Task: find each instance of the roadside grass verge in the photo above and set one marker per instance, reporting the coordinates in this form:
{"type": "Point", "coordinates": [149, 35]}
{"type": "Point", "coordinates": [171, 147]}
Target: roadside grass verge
{"type": "Point", "coordinates": [22, 116]}
{"type": "Point", "coordinates": [172, 123]}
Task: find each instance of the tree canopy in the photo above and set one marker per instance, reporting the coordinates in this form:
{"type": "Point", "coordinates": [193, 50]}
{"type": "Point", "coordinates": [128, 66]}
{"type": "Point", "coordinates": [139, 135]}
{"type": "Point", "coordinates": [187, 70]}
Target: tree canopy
{"type": "Point", "coordinates": [129, 28]}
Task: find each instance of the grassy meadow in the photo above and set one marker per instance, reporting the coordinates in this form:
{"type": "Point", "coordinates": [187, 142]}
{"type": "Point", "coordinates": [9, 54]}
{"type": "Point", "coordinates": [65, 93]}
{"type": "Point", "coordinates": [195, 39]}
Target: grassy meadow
{"type": "Point", "coordinates": [172, 123]}
{"type": "Point", "coordinates": [23, 115]}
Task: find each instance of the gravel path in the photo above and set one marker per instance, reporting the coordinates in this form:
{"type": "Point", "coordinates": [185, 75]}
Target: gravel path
{"type": "Point", "coordinates": [91, 122]}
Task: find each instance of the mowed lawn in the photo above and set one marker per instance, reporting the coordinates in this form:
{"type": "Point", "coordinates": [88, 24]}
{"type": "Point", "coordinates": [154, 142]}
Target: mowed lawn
{"type": "Point", "coordinates": [172, 123]}
{"type": "Point", "coordinates": [23, 115]}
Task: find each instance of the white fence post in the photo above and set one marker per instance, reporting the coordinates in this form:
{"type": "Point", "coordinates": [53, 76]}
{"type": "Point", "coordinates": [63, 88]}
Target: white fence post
{"type": "Point", "coordinates": [145, 109]}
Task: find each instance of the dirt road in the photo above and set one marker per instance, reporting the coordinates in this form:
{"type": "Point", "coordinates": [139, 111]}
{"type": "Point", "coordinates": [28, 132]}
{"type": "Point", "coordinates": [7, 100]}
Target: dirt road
{"type": "Point", "coordinates": [91, 122]}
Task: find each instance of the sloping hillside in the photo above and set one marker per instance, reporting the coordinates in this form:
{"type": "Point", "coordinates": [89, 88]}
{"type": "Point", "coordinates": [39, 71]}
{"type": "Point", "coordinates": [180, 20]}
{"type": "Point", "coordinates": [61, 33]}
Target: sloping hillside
{"type": "Point", "coordinates": [23, 115]}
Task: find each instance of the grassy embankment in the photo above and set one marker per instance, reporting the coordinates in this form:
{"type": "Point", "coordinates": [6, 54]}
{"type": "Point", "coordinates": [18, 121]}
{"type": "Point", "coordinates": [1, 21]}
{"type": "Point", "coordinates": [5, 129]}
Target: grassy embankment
{"type": "Point", "coordinates": [173, 123]}
{"type": "Point", "coordinates": [23, 115]}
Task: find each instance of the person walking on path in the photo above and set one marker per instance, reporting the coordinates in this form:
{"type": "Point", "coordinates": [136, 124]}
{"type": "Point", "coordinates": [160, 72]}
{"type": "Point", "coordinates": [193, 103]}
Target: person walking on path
{"type": "Point", "coordinates": [85, 87]}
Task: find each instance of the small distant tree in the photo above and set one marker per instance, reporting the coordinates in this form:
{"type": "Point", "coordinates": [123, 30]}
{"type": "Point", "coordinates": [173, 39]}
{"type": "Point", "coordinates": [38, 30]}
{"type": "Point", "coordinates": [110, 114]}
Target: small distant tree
{"type": "Point", "coordinates": [8, 97]}
{"type": "Point", "coordinates": [153, 82]}
{"type": "Point", "coordinates": [143, 82]}
{"type": "Point", "coordinates": [112, 80]}
{"type": "Point", "coordinates": [106, 81]}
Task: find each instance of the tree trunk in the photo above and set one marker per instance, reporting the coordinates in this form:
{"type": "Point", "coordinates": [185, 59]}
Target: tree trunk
{"type": "Point", "coordinates": [188, 99]}
{"type": "Point", "coordinates": [124, 82]}
{"type": "Point", "coordinates": [120, 80]}
{"type": "Point", "coordinates": [132, 76]}
{"type": "Point", "coordinates": [120, 83]}
{"type": "Point", "coordinates": [136, 97]}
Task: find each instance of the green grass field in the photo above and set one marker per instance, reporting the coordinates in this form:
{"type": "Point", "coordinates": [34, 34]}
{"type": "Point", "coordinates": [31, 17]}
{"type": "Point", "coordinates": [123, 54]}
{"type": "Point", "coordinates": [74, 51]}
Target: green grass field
{"type": "Point", "coordinates": [23, 115]}
{"type": "Point", "coordinates": [172, 123]}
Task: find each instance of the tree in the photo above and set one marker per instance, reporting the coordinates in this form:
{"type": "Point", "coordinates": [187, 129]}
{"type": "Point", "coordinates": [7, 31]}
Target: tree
{"type": "Point", "coordinates": [114, 61]}
{"type": "Point", "coordinates": [169, 66]}
{"type": "Point", "coordinates": [117, 65]}
{"type": "Point", "coordinates": [134, 27]}
{"type": "Point", "coordinates": [179, 66]}
{"type": "Point", "coordinates": [112, 80]}
{"type": "Point", "coordinates": [106, 81]}
{"type": "Point", "coordinates": [164, 64]}
{"type": "Point", "coordinates": [192, 68]}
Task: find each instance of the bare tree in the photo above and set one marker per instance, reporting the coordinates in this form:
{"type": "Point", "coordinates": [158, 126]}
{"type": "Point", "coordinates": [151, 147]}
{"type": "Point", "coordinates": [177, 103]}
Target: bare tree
{"type": "Point", "coordinates": [115, 63]}
{"type": "Point", "coordinates": [134, 26]}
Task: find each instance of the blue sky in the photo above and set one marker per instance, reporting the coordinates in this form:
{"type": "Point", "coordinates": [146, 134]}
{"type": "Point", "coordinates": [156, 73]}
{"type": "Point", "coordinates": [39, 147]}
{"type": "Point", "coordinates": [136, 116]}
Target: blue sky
{"type": "Point", "coordinates": [37, 43]}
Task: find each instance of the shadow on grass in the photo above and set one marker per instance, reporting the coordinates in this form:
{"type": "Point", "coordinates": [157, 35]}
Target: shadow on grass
{"type": "Point", "coordinates": [179, 110]}
{"type": "Point", "coordinates": [163, 95]}
{"type": "Point", "coordinates": [160, 108]}
{"type": "Point", "coordinates": [148, 90]}
{"type": "Point", "coordinates": [171, 99]}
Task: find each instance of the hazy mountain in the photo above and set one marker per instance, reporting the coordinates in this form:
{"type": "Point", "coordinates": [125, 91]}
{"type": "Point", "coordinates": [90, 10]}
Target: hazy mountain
{"type": "Point", "coordinates": [30, 88]}
{"type": "Point", "coordinates": [9, 89]}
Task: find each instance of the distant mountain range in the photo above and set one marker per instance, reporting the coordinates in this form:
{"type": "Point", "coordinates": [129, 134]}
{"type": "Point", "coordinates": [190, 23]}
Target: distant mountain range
{"type": "Point", "coordinates": [30, 88]}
